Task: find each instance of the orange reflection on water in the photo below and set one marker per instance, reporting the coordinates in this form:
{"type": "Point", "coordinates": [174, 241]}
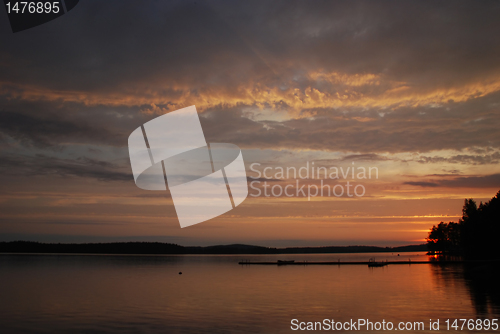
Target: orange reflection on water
{"type": "Point", "coordinates": [215, 294]}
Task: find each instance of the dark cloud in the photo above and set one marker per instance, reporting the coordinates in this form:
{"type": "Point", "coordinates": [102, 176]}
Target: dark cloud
{"type": "Point", "coordinates": [262, 179]}
{"type": "Point", "coordinates": [463, 159]}
{"type": "Point", "coordinates": [487, 181]}
{"type": "Point", "coordinates": [44, 165]}
{"type": "Point", "coordinates": [43, 131]}
{"type": "Point", "coordinates": [365, 157]}
{"type": "Point", "coordinates": [42, 124]}
{"type": "Point", "coordinates": [114, 46]}
{"type": "Point", "coordinates": [422, 184]}
{"type": "Point", "coordinates": [159, 47]}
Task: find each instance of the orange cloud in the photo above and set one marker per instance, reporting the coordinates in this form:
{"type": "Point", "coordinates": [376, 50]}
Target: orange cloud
{"type": "Point", "coordinates": [341, 90]}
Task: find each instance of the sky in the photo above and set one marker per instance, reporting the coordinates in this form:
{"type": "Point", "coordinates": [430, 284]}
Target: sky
{"type": "Point", "coordinates": [409, 89]}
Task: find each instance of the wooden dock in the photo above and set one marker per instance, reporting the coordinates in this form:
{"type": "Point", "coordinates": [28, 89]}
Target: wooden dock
{"type": "Point", "coordinates": [339, 263]}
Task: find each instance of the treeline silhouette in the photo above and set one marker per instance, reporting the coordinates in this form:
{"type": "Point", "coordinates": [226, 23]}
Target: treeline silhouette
{"type": "Point", "coordinates": [474, 236]}
{"type": "Point", "coordinates": [167, 248]}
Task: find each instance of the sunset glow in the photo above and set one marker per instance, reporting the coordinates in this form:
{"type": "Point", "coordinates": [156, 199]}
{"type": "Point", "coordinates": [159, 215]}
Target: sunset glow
{"type": "Point", "coordinates": [350, 89]}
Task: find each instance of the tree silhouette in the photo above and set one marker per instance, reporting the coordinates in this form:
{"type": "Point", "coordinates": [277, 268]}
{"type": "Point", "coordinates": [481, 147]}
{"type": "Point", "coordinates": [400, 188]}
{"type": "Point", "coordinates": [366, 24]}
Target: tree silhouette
{"type": "Point", "coordinates": [474, 236]}
{"type": "Point", "coordinates": [444, 238]}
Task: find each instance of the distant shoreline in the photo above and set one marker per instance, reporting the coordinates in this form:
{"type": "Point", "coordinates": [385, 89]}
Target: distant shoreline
{"type": "Point", "coordinates": [158, 248]}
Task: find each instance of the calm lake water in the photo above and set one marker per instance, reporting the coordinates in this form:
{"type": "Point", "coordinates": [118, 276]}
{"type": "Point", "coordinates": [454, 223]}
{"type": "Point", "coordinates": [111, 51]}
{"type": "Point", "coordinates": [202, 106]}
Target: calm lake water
{"type": "Point", "coordinates": [146, 294]}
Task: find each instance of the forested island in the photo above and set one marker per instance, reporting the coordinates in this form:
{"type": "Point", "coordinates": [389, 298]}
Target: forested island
{"type": "Point", "coordinates": [167, 248]}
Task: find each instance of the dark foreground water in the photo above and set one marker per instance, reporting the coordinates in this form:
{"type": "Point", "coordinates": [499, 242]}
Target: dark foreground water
{"type": "Point", "coordinates": [146, 294]}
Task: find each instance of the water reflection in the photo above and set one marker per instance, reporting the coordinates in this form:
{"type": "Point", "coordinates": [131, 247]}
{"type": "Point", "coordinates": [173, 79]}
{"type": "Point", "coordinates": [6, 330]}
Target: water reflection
{"type": "Point", "coordinates": [480, 281]}
{"type": "Point", "coordinates": [120, 294]}
{"type": "Point", "coordinates": [483, 284]}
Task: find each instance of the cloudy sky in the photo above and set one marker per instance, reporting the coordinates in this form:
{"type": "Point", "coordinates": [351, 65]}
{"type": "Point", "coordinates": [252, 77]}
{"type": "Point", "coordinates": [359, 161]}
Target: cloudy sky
{"type": "Point", "coordinates": [411, 88]}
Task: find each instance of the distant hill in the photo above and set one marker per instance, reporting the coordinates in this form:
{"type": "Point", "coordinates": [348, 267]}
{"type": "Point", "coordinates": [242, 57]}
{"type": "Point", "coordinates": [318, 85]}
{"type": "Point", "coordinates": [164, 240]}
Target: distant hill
{"type": "Point", "coordinates": [353, 249]}
{"type": "Point", "coordinates": [166, 248]}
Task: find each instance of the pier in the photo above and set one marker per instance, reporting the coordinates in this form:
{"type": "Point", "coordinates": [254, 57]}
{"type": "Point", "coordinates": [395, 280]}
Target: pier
{"type": "Point", "coordinates": [338, 263]}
